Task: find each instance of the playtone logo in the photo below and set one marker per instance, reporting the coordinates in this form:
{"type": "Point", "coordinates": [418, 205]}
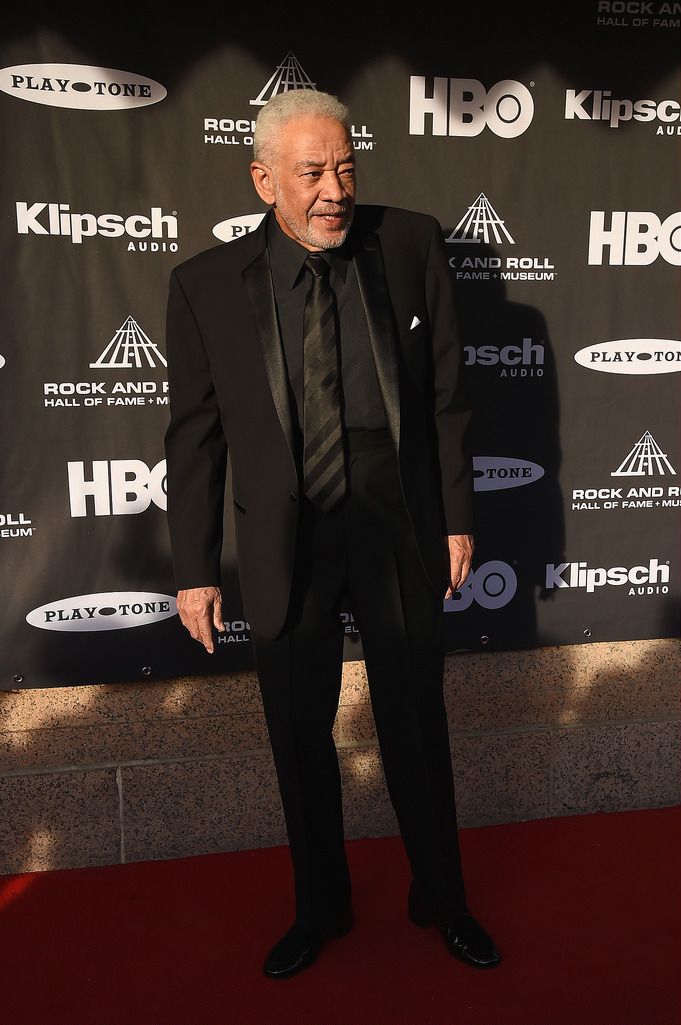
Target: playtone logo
{"type": "Point", "coordinates": [650, 579]}
{"type": "Point", "coordinates": [634, 239]}
{"type": "Point", "coordinates": [113, 610]}
{"type": "Point", "coordinates": [235, 227]}
{"type": "Point", "coordinates": [60, 221]}
{"type": "Point", "coordinates": [463, 107]}
{"type": "Point", "coordinates": [120, 487]}
{"type": "Point", "coordinates": [495, 473]}
{"type": "Point", "coordinates": [632, 356]}
{"type": "Point", "coordinates": [80, 86]}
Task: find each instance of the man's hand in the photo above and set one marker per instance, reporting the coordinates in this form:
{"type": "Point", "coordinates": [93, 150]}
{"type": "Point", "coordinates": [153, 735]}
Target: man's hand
{"type": "Point", "coordinates": [460, 556]}
{"type": "Point", "coordinates": [200, 609]}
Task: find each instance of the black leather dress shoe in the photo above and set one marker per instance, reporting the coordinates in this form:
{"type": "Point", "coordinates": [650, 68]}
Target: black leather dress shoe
{"type": "Point", "coordinates": [298, 948]}
{"type": "Point", "coordinates": [465, 938]}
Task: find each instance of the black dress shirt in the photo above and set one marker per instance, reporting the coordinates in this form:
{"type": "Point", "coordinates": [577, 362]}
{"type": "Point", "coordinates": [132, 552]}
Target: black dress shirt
{"type": "Point", "coordinates": [362, 405]}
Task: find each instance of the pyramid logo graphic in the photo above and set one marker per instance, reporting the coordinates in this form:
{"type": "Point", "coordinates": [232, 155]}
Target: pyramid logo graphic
{"type": "Point", "coordinates": [288, 75]}
{"type": "Point", "coordinates": [645, 459]}
{"type": "Point", "coordinates": [128, 348]}
{"type": "Point", "coordinates": [481, 223]}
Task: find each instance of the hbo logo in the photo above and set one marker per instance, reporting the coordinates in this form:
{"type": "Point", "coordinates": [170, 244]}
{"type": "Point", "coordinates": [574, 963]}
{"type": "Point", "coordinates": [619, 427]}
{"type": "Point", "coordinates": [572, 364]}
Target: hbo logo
{"type": "Point", "coordinates": [634, 238]}
{"type": "Point", "coordinates": [491, 585]}
{"type": "Point", "coordinates": [462, 106]}
{"type": "Point", "coordinates": [117, 487]}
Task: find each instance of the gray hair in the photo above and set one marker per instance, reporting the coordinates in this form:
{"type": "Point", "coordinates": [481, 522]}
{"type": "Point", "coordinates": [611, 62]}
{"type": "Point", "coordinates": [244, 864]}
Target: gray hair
{"type": "Point", "coordinates": [288, 106]}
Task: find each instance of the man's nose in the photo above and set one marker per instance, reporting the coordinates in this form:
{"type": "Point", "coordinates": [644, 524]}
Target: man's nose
{"type": "Point", "coordinates": [332, 188]}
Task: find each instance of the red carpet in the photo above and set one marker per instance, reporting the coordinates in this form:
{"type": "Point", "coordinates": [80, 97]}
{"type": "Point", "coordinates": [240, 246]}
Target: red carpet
{"type": "Point", "coordinates": [585, 911]}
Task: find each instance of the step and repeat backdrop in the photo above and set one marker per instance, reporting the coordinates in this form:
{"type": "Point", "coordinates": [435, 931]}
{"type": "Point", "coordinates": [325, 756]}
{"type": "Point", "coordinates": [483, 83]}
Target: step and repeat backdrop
{"type": "Point", "coordinates": [546, 142]}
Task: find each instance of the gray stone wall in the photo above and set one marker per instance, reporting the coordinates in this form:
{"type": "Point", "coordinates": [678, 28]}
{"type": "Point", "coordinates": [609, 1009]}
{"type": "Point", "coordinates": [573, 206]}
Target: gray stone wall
{"type": "Point", "coordinates": [106, 774]}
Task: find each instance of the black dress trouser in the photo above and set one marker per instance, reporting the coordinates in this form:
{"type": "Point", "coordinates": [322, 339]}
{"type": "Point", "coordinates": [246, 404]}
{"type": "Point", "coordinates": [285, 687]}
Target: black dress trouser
{"type": "Point", "coordinates": [365, 548]}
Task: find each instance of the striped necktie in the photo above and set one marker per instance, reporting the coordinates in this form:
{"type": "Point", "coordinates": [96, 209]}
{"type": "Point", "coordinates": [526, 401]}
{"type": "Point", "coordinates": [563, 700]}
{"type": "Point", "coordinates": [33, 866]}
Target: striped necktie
{"type": "Point", "coordinates": [324, 474]}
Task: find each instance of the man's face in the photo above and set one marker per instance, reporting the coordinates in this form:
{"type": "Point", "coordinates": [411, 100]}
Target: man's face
{"type": "Point", "coordinates": [311, 183]}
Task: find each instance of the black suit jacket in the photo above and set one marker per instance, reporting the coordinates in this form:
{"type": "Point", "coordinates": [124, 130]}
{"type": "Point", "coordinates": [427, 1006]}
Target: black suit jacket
{"type": "Point", "coordinates": [229, 392]}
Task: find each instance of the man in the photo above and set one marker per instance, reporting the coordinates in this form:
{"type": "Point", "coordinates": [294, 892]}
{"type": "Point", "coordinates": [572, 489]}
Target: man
{"type": "Point", "coordinates": [320, 350]}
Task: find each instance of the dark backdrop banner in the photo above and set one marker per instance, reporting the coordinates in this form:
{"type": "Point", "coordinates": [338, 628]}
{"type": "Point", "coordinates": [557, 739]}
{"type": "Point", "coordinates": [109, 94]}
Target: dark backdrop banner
{"type": "Point", "coordinates": [544, 138]}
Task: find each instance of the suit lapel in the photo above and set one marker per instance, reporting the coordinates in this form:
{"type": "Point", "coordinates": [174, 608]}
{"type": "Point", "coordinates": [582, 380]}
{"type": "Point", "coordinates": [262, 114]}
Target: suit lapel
{"type": "Point", "coordinates": [370, 271]}
{"type": "Point", "coordinates": [374, 292]}
{"type": "Point", "coordinates": [259, 289]}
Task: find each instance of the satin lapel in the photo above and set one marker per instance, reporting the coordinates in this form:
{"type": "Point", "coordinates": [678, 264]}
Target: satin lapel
{"type": "Point", "coordinates": [374, 292]}
{"type": "Point", "coordinates": [260, 292]}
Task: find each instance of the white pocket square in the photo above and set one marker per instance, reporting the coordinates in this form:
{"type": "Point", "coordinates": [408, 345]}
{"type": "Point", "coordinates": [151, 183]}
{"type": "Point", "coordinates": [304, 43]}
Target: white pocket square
{"type": "Point", "coordinates": [415, 323]}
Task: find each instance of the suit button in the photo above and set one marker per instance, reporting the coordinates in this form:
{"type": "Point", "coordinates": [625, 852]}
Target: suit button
{"type": "Point", "coordinates": [293, 496]}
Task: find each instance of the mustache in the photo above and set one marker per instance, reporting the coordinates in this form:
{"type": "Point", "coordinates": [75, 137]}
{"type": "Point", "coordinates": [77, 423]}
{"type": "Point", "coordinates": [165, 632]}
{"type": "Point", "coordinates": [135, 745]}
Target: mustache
{"type": "Point", "coordinates": [335, 210]}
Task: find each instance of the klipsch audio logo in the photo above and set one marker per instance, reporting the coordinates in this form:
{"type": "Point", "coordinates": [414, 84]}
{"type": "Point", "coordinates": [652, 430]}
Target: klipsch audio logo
{"type": "Point", "coordinates": [645, 459]}
{"type": "Point", "coordinates": [80, 86]}
{"type": "Point", "coordinates": [632, 356]}
{"type": "Point", "coordinates": [634, 239]}
{"type": "Point", "coordinates": [524, 360]}
{"type": "Point", "coordinates": [491, 585]}
{"type": "Point", "coordinates": [482, 224]}
{"type": "Point", "coordinates": [129, 348]}
{"type": "Point", "coordinates": [642, 580]}
{"type": "Point", "coordinates": [58, 219]}
{"type": "Point", "coordinates": [116, 487]}
{"type": "Point", "coordinates": [496, 473]}
{"type": "Point", "coordinates": [235, 227]}
{"type": "Point", "coordinates": [115, 610]}
{"type": "Point", "coordinates": [638, 14]}
{"type": "Point", "coordinates": [287, 76]}
{"type": "Point", "coordinates": [464, 107]}
{"type": "Point", "coordinates": [600, 105]}
{"type": "Point", "coordinates": [15, 525]}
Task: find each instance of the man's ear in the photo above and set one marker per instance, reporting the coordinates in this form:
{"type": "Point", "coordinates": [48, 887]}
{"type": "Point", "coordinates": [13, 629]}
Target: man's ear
{"type": "Point", "coordinates": [263, 181]}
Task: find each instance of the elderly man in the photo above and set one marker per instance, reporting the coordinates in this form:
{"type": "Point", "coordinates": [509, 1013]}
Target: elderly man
{"type": "Point", "coordinates": [321, 351]}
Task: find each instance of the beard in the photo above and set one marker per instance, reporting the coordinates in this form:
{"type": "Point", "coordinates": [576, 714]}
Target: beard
{"type": "Point", "coordinates": [304, 227]}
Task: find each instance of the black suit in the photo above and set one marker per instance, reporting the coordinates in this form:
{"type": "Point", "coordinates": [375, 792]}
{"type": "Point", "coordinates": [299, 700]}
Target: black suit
{"type": "Point", "coordinates": [409, 486]}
